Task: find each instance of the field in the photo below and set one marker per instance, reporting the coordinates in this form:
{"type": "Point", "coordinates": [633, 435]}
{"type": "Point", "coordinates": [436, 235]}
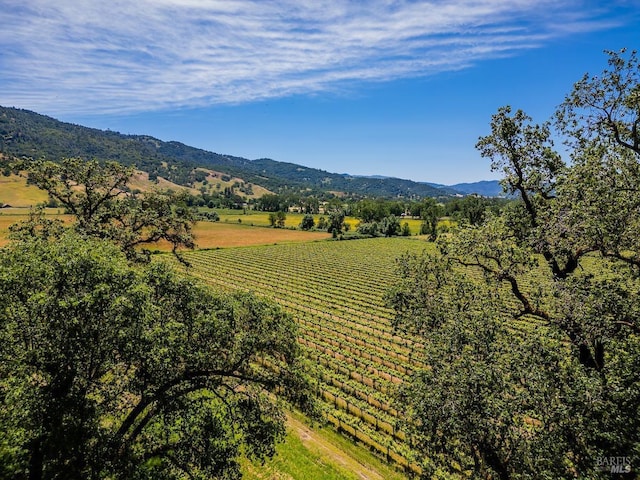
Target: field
{"type": "Point", "coordinates": [207, 234]}
{"type": "Point", "coordinates": [9, 216]}
{"type": "Point", "coordinates": [14, 191]}
{"type": "Point", "coordinates": [224, 235]}
{"type": "Point", "coordinates": [234, 229]}
{"type": "Point", "coordinates": [335, 291]}
{"type": "Point", "coordinates": [256, 218]}
{"type": "Point", "coordinates": [315, 453]}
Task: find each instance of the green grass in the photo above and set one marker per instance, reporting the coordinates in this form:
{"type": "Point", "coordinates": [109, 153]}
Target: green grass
{"type": "Point", "coordinates": [295, 461]}
{"type": "Point", "coordinates": [323, 455]}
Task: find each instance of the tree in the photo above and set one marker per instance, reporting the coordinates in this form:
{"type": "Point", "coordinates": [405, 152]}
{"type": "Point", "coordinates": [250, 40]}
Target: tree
{"type": "Point", "coordinates": [310, 205]}
{"type": "Point", "coordinates": [277, 219]}
{"type": "Point", "coordinates": [370, 229]}
{"type": "Point", "coordinates": [430, 213]}
{"type": "Point", "coordinates": [470, 209]}
{"type": "Point", "coordinates": [605, 109]}
{"type": "Point", "coordinates": [98, 197]}
{"type": "Point", "coordinates": [370, 210]}
{"type": "Point", "coordinates": [532, 316]}
{"type": "Point", "coordinates": [390, 226]}
{"type": "Point", "coordinates": [307, 222]}
{"type": "Point", "coordinates": [109, 370]}
{"type": "Point", "coordinates": [272, 203]}
{"type": "Point", "coordinates": [336, 222]}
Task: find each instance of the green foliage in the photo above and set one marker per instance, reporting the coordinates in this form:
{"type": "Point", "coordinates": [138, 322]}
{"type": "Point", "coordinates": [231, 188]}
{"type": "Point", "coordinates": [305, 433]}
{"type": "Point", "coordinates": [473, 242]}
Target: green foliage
{"type": "Point", "coordinates": [98, 198]}
{"type": "Point", "coordinates": [277, 219]}
{"type": "Point", "coordinates": [114, 371]}
{"type": "Point", "coordinates": [390, 226]}
{"type": "Point", "coordinates": [209, 216]}
{"type": "Point", "coordinates": [272, 203]}
{"type": "Point", "coordinates": [369, 229]}
{"type": "Point", "coordinates": [430, 212]}
{"type": "Point", "coordinates": [472, 209]}
{"type": "Point", "coordinates": [491, 402]}
{"type": "Point", "coordinates": [553, 399]}
{"type": "Point", "coordinates": [369, 210]}
{"type": "Point", "coordinates": [604, 109]}
{"type": "Point", "coordinates": [307, 222]}
{"type": "Point", "coordinates": [335, 225]}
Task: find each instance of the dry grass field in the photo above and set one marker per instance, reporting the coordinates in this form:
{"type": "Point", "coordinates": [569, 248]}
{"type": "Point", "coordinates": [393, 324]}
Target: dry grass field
{"type": "Point", "coordinates": [140, 181]}
{"type": "Point", "coordinates": [227, 235]}
{"type": "Point", "coordinates": [14, 191]}
{"type": "Point", "coordinates": [208, 234]}
{"type": "Point", "coordinates": [224, 235]}
{"type": "Point", "coordinates": [5, 221]}
{"type": "Point", "coordinates": [9, 216]}
{"type": "Point", "coordinates": [214, 183]}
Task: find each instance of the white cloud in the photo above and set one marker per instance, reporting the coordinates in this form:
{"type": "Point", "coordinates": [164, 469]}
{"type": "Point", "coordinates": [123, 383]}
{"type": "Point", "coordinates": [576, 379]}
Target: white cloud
{"type": "Point", "coordinates": [118, 56]}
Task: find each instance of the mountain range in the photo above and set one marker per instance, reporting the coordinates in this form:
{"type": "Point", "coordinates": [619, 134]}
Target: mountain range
{"type": "Point", "coordinates": [26, 134]}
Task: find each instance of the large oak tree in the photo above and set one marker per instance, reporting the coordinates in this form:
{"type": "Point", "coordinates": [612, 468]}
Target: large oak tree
{"type": "Point", "coordinates": [531, 320]}
{"type": "Point", "coordinates": [115, 368]}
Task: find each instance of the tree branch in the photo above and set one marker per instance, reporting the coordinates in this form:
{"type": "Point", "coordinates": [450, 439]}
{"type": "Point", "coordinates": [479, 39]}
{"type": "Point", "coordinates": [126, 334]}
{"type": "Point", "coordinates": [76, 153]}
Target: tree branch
{"type": "Point", "coordinates": [146, 401]}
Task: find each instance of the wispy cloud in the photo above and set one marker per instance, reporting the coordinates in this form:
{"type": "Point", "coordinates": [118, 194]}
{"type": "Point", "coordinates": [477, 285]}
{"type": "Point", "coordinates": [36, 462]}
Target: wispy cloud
{"type": "Point", "coordinates": [120, 56]}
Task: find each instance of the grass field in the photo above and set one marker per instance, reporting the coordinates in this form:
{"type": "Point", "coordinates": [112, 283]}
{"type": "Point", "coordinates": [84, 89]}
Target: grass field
{"type": "Point", "coordinates": [316, 453]}
{"type": "Point", "coordinates": [9, 216]}
{"type": "Point", "coordinates": [252, 217]}
{"type": "Point", "coordinates": [14, 191]}
{"type": "Point", "coordinates": [5, 221]}
{"type": "Point", "coordinates": [207, 234]}
{"type": "Point", "coordinates": [225, 235]}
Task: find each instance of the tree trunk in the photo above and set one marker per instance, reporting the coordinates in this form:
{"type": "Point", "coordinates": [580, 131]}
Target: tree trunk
{"type": "Point", "coordinates": [36, 459]}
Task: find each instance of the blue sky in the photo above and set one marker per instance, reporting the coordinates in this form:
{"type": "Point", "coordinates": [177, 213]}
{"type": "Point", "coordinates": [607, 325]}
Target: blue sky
{"type": "Point", "coordinates": [390, 87]}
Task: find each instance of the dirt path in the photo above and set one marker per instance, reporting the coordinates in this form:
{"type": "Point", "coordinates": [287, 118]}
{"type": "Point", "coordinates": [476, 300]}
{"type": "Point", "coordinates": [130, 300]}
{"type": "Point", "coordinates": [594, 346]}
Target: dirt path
{"type": "Point", "coordinates": [313, 441]}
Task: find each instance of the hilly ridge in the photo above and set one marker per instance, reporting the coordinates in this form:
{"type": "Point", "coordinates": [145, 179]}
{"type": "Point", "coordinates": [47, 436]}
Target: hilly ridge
{"type": "Point", "coordinates": [28, 134]}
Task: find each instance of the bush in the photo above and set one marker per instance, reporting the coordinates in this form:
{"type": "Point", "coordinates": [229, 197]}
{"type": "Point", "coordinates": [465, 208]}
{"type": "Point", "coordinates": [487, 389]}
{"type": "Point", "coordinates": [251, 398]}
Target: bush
{"type": "Point", "coordinates": [307, 222]}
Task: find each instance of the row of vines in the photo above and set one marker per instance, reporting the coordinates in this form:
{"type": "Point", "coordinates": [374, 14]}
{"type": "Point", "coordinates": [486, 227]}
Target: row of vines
{"type": "Point", "coordinates": [335, 291]}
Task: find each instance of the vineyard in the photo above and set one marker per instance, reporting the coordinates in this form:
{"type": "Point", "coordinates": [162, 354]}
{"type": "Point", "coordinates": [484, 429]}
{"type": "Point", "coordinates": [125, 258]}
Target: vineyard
{"type": "Point", "coordinates": [335, 292]}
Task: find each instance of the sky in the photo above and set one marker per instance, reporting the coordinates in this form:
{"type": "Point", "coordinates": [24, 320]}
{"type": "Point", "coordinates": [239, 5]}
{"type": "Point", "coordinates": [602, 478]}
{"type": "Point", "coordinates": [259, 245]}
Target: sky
{"type": "Point", "coordinates": [400, 88]}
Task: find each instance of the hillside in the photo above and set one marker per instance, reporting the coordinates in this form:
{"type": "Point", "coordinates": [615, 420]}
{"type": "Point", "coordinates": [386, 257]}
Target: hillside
{"type": "Point", "coordinates": [15, 192]}
{"type": "Point", "coordinates": [28, 134]}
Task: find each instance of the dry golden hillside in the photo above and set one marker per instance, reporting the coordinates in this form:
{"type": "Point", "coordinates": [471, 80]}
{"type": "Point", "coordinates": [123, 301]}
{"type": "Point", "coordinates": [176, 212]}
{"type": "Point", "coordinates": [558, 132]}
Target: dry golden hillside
{"type": "Point", "coordinates": [15, 192]}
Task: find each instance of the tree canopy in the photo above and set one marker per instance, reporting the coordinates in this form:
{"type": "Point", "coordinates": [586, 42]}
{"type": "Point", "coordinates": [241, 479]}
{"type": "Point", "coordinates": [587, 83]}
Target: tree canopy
{"type": "Point", "coordinates": [109, 370]}
{"type": "Point", "coordinates": [113, 368]}
{"type": "Point", "coordinates": [532, 317]}
{"type": "Point", "coordinates": [99, 198]}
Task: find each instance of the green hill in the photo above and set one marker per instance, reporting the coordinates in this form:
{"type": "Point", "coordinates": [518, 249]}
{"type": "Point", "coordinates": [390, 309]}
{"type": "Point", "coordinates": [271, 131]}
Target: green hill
{"type": "Point", "coordinates": [28, 134]}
